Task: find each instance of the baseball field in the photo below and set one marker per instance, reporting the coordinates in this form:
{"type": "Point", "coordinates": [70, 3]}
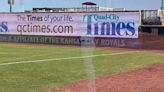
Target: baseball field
{"type": "Point", "coordinates": [37, 68]}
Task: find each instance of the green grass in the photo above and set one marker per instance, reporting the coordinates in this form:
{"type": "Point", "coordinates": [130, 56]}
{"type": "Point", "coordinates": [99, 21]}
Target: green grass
{"type": "Point", "coordinates": [36, 77]}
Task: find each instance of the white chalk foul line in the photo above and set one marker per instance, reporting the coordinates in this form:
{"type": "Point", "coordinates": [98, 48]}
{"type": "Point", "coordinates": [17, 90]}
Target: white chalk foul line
{"type": "Point", "coordinates": [6, 53]}
{"type": "Point", "coordinates": [19, 58]}
{"type": "Point", "coordinates": [67, 58]}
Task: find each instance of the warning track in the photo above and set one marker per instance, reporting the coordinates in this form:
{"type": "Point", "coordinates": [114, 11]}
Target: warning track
{"type": "Point", "coordinates": [149, 79]}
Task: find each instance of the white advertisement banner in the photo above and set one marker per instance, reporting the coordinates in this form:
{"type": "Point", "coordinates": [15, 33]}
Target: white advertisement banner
{"type": "Point", "coordinates": [106, 24]}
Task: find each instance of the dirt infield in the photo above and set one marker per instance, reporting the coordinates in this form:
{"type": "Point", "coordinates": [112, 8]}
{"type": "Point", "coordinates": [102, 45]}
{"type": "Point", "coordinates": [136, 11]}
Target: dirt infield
{"type": "Point", "coordinates": [149, 79]}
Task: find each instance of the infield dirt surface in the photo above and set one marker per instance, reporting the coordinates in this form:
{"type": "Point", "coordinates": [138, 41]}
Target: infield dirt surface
{"type": "Point", "coordinates": [149, 79]}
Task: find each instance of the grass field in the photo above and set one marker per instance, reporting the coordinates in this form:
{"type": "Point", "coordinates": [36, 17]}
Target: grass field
{"type": "Point", "coordinates": [32, 68]}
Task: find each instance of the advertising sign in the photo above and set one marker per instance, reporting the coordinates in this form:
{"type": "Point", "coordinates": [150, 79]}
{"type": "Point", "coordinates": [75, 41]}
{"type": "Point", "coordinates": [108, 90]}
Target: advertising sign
{"type": "Point", "coordinates": [106, 24]}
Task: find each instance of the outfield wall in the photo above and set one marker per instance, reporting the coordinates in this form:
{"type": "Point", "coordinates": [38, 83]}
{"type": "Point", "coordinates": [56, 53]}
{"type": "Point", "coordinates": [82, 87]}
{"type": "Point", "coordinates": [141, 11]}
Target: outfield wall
{"type": "Point", "coordinates": [101, 27]}
{"type": "Point", "coordinates": [88, 41]}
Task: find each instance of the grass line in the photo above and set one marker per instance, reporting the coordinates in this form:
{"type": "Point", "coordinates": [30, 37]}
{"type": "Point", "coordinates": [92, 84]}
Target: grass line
{"type": "Point", "coordinates": [19, 58]}
{"type": "Point", "coordinates": [67, 58]}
